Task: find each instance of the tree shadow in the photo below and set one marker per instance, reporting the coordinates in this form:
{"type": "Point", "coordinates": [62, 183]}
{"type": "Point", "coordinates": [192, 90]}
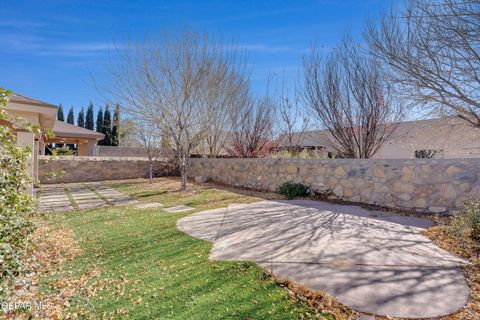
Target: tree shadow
{"type": "Point", "coordinates": [377, 263]}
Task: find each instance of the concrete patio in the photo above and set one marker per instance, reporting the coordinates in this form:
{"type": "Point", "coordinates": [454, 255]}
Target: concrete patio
{"type": "Point", "coordinates": [374, 262]}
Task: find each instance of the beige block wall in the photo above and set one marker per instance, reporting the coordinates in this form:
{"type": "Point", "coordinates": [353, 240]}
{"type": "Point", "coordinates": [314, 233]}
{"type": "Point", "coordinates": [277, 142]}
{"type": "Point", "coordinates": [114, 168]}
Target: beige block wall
{"type": "Point", "coordinates": [114, 151]}
{"type": "Point", "coordinates": [424, 185]}
{"type": "Point", "coordinates": [87, 148]}
{"type": "Point", "coordinates": [83, 169]}
{"type": "Point", "coordinates": [456, 141]}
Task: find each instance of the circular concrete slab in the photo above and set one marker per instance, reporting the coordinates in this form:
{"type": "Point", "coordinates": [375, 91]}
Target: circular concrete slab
{"type": "Point", "coordinates": [374, 262]}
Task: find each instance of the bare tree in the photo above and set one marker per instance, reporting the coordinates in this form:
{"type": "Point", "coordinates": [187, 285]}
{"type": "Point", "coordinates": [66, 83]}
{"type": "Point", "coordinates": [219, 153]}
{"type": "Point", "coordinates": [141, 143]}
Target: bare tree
{"type": "Point", "coordinates": [169, 80]}
{"type": "Point", "coordinates": [292, 122]}
{"type": "Point", "coordinates": [149, 135]}
{"type": "Point", "coordinates": [253, 129]}
{"type": "Point", "coordinates": [432, 49]}
{"type": "Point", "coordinates": [224, 98]}
{"type": "Point", "coordinates": [345, 92]}
{"type": "Point", "coordinates": [127, 134]}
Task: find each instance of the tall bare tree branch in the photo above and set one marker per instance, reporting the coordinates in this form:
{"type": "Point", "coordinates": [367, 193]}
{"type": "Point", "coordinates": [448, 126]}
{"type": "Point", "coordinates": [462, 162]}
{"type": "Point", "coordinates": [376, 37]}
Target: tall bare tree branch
{"type": "Point", "coordinates": [432, 49]}
{"type": "Point", "coordinates": [149, 135]}
{"type": "Point", "coordinates": [170, 80]}
{"type": "Point", "coordinates": [253, 129]}
{"type": "Point", "coordinates": [293, 123]}
{"type": "Point", "coordinates": [346, 93]}
{"type": "Point", "coordinates": [224, 98]}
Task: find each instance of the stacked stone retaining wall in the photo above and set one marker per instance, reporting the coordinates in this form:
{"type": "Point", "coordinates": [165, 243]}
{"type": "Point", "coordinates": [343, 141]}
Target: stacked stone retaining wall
{"type": "Point", "coordinates": [433, 185]}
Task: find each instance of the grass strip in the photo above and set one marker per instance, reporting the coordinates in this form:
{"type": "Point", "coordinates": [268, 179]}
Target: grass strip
{"type": "Point", "coordinates": [98, 194]}
{"type": "Point", "coordinates": [70, 198]}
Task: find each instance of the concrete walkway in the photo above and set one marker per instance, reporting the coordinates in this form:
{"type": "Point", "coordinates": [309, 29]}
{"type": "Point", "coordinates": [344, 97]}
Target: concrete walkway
{"type": "Point", "coordinates": [374, 262]}
{"type": "Point", "coordinates": [66, 197]}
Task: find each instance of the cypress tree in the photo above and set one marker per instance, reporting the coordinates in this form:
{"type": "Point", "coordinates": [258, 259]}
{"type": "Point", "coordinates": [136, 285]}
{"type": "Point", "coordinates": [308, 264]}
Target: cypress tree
{"type": "Point", "coordinates": [100, 120]}
{"type": "Point", "coordinates": [81, 119]}
{"type": "Point", "coordinates": [89, 118]}
{"type": "Point", "coordinates": [71, 116]}
{"type": "Point", "coordinates": [100, 123]}
{"type": "Point", "coordinates": [60, 115]}
{"type": "Point", "coordinates": [107, 126]}
{"type": "Point", "coordinates": [116, 126]}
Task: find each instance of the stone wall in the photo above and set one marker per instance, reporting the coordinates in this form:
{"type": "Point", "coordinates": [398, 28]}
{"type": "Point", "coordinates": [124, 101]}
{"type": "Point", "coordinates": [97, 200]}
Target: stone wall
{"type": "Point", "coordinates": [424, 184]}
{"type": "Point", "coordinates": [82, 169]}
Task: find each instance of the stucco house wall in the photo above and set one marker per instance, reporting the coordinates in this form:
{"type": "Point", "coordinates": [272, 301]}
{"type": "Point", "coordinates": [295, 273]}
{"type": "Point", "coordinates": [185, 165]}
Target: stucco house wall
{"type": "Point", "coordinates": [35, 112]}
{"type": "Point", "coordinates": [454, 138]}
{"type": "Point", "coordinates": [451, 138]}
{"type": "Point", "coordinates": [44, 115]}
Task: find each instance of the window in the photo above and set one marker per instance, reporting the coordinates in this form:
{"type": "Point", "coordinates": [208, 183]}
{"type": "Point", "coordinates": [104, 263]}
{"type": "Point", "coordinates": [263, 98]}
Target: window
{"type": "Point", "coordinates": [429, 154]}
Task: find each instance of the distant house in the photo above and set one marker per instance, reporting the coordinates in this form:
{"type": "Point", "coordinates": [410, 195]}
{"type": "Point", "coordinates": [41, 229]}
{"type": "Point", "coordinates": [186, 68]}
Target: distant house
{"type": "Point", "coordinates": [433, 138]}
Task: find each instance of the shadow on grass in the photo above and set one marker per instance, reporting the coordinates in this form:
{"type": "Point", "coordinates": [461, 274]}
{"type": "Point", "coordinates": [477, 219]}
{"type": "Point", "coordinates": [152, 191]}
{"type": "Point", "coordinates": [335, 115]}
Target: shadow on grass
{"type": "Point", "coordinates": [147, 194]}
{"type": "Point", "coordinates": [152, 270]}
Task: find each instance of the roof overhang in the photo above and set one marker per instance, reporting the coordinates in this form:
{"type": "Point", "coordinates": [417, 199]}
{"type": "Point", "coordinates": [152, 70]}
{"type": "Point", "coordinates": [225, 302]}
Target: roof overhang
{"type": "Point", "coordinates": [67, 135]}
{"type": "Point", "coordinates": [69, 140]}
{"type": "Point", "coordinates": [46, 113]}
{"type": "Point", "coordinates": [65, 131]}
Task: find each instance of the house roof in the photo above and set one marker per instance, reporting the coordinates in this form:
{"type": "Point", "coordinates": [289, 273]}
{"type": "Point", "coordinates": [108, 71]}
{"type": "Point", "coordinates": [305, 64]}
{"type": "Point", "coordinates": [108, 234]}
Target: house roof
{"type": "Point", "coordinates": [306, 139]}
{"type": "Point", "coordinates": [46, 112]}
{"type": "Point", "coordinates": [61, 129]}
{"type": "Point", "coordinates": [408, 128]}
{"type": "Point", "coordinates": [66, 130]}
{"type": "Point", "coordinates": [18, 98]}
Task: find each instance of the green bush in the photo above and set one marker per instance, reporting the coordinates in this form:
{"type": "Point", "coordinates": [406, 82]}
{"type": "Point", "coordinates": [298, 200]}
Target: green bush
{"type": "Point", "coordinates": [63, 151]}
{"type": "Point", "coordinates": [466, 223]}
{"type": "Point", "coordinates": [293, 190]}
{"type": "Point", "coordinates": [15, 204]}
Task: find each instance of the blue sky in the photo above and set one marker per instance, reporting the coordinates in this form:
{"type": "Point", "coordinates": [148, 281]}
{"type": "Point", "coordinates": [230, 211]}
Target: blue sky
{"type": "Point", "coordinates": [50, 49]}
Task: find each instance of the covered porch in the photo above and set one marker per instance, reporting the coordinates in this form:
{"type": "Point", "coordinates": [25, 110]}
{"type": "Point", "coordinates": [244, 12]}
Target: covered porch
{"type": "Point", "coordinates": [66, 133]}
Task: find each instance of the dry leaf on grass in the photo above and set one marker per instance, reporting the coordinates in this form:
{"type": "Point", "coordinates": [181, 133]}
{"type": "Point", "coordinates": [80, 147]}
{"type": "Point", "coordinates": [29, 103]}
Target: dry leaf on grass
{"type": "Point", "coordinates": [316, 301]}
{"type": "Point", "coordinates": [470, 250]}
{"type": "Point", "coordinates": [51, 248]}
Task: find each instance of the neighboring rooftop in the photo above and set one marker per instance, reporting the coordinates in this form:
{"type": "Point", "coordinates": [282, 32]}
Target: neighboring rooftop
{"type": "Point", "coordinates": [318, 138]}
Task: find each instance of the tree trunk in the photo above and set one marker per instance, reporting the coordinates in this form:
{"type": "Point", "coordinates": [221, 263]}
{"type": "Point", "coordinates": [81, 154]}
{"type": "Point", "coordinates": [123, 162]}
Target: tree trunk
{"type": "Point", "coordinates": [183, 172]}
{"type": "Point", "coordinates": [150, 172]}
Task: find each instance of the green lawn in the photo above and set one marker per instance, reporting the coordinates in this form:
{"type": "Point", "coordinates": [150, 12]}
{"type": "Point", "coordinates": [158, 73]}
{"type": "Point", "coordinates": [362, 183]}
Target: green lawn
{"type": "Point", "coordinates": [151, 270]}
